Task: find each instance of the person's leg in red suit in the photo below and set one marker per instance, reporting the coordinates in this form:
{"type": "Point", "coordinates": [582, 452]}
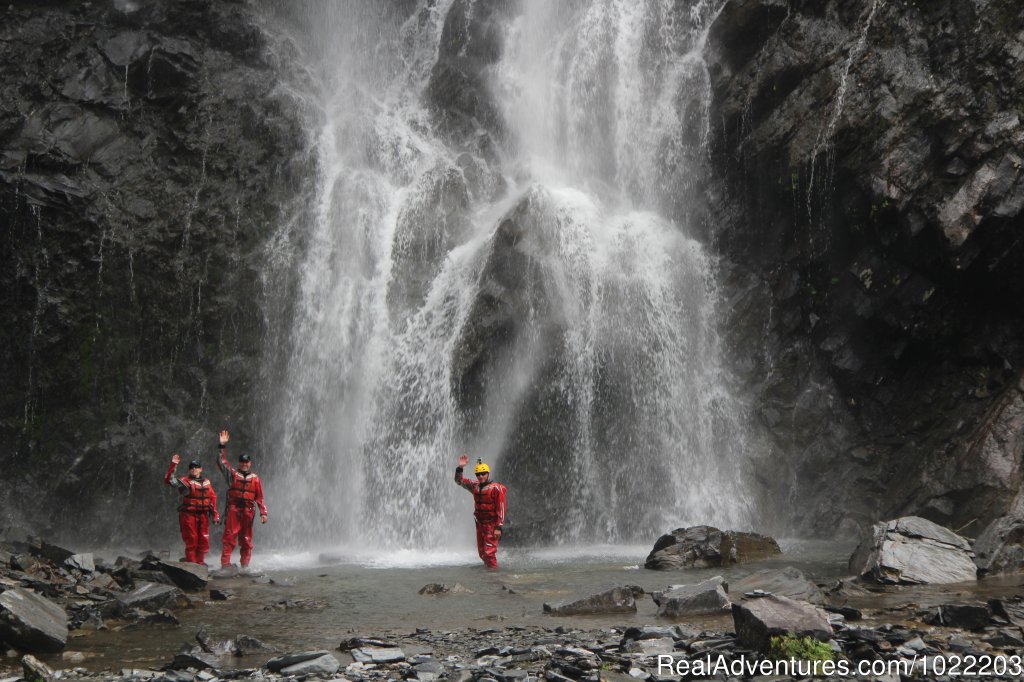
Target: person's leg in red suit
{"type": "Point", "coordinates": [246, 518]}
{"type": "Point", "coordinates": [232, 525]}
{"type": "Point", "coordinates": [189, 534]}
{"type": "Point", "coordinates": [487, 543]}
{"type": "Point", "coordinates": [202, 537]}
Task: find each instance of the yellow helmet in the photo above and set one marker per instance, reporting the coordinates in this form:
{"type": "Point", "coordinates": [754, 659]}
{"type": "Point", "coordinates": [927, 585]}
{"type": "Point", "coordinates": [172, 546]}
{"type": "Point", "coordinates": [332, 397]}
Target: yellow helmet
{"type": "Point", "coordinates": [481, 468]}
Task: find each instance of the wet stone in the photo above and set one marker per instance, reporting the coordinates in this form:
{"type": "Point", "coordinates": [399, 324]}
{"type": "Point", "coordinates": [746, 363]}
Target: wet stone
{"type": "Point", "coordinates": [150, 596]}
{"type": "Point", "coordinates": [198, 660]}
{"type": "Point", "coordinates": [323, 665]}
{"type": "Point", "coordinates": [441, 589]}
{"type": "Point", "coordinates": [281, 662]}
{"type": "Point", "coordinates": [787, 582]}
{"type": "Point", "coordinates": [706, 597]}
{"type": "Point", "coordinates": [184, 574]}
{"type": "Point", "coordinates": [615, 600]}
{"type": "Point", "coordinates": [221, 594]}
{"type": "Point", "coordinates": [32, 622]}
{"type": "Point", "coordinates": [35, 670]}
{"type": "Point", "coordinates": [246, 645]}
{"type": "Point", "coordinates": [757, 620]}
{"type": "Point", "coordinates": [83, 562]}
{"type": "Point", "coordinates": [378, 655]}
{"type": "Point", "coordinates": [966, 616]}
{"type": "Point", "coordinates": [357, 642]}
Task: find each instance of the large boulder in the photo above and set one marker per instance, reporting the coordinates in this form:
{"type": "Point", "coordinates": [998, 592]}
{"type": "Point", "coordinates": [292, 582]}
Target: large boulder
{"type": "Point", "coordinates": [706, 597]}
{"type": "Point", "coordinates": [615, 600]}
{"type": "Point", "coordinates": [912, 550]}
{"type": "Point", "coordinates": [32, 622]}
{"type": "Point", "coordinates": [787, 582]}
{"type": "Point", "coordinates": [708, 547]}
{"type": "Point", "coordinates": [758, 620]}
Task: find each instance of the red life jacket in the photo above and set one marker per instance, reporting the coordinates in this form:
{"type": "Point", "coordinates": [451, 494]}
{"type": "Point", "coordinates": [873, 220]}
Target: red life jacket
{"type": "Point", "coordinates": [198, 497]}
{"type": "Point", "coordinates": [486, 499]}
{"type": "Point", "coordinates": [242, 492]}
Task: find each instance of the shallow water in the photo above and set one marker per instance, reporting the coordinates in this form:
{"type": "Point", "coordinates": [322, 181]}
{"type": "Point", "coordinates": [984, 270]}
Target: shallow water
{"type": "Point", "coordinates": [377, 594]}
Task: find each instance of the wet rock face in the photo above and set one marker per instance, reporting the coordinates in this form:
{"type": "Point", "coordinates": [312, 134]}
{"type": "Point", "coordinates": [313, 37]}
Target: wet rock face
{"type": "Point", "coordinates": [144, 159]}
{"type": "Point", "coordinates": [870, 189]}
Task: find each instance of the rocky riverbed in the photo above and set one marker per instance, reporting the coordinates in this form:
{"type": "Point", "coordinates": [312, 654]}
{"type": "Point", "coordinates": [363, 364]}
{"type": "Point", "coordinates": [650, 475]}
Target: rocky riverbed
{"type": "Point", "coordinates": [147, 617]}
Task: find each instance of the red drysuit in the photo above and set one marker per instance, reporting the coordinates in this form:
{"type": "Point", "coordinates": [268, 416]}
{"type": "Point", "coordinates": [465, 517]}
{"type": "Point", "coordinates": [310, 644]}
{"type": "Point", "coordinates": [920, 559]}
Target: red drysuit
{"type": "Point", "coordinates": [198, 502]}
{"type": "Point", "coordinates": [245, 493]}
{"type": "Point", "coordinates": [489, 510]}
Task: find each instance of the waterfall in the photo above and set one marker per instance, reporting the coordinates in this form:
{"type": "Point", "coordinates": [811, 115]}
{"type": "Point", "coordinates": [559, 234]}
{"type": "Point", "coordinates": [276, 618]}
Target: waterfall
{"type": "Point", "coordinates": [525, 290]}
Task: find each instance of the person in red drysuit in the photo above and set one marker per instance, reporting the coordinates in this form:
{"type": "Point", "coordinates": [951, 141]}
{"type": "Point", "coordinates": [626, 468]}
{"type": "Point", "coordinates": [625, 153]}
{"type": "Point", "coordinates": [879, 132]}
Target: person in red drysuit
{"type": "Point", "coordinates": [198, 504]}
{"type": "Point", "coordinates": [245, 494]}
{"type": "Point", "coordinates": [489, 509]}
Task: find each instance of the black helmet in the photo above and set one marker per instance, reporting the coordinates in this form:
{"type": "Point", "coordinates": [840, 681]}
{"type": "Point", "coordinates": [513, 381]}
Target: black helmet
{"type": "Point", "coordinates": [194, 465]}
{"type": "Point", "coordinates": [244, 458]}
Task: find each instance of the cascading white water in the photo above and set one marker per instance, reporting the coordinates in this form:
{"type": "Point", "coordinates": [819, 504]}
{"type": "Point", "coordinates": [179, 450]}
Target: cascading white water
{"type": "Point", "coordinates": [603, 401]}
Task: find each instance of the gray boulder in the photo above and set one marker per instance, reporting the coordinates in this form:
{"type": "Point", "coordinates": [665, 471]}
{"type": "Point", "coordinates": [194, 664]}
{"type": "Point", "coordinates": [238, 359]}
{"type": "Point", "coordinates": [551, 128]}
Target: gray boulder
{"type": "Point", "coordinates": [912, 550]}
{"type": "Point", "coordinates": [151, 596]}
{"type": "Point", "coordinates": [615, 600]}
{"type": "Point", "coordinates": [708, 547]}
{"type": "Point", "coordinates": [706, 597]}
{"type": "Point", "coordinates": [326, 665]}
{"type": "Point", "coordinates": [185, 574]}
{"type": "Point", "coordinates": [32, 622]}
{"type": "Point", "coordinates": [787, 582]}
{"type": "Point", "coordinates": [758, 620]}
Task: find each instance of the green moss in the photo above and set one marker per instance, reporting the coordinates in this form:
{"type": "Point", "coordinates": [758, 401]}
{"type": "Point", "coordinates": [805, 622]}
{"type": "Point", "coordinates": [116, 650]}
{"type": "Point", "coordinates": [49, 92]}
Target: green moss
{"type": "Point", "coordinates": [804, 649]}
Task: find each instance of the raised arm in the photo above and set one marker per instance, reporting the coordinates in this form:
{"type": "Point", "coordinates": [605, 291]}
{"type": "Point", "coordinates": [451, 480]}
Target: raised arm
{"type": "Point", "coordinates": [169, 477]}
{"type": "Point", "coordinates": [460, 479]}
{"type": "Point", "coordinates": [222, 459]}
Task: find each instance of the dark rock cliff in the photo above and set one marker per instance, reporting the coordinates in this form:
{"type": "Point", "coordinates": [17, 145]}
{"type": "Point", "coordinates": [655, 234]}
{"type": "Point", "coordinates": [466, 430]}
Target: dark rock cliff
{"type": "Point", "coordinates": [146, 153]}
{"type": "Point", "coordinates": [869, 195]}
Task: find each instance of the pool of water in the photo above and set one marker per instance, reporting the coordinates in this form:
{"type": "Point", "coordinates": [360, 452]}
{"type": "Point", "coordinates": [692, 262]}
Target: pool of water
{"type": "Point", "coordinates": [377, 593]}
{"type": "Point", "coordinates": [367, 594]}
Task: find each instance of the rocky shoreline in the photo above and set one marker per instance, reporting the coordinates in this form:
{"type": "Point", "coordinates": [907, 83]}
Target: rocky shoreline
{"type": "Point", "coordinates": [54, 602]}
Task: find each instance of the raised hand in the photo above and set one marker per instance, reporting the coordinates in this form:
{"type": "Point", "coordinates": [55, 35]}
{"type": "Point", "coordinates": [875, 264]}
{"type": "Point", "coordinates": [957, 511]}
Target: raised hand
{"type": "Point", "coordinates": [224, 437]}
{"type": "Point", "coordinates": [463, 460]}
{"type": "Point", "coordinates": [175, 459]}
